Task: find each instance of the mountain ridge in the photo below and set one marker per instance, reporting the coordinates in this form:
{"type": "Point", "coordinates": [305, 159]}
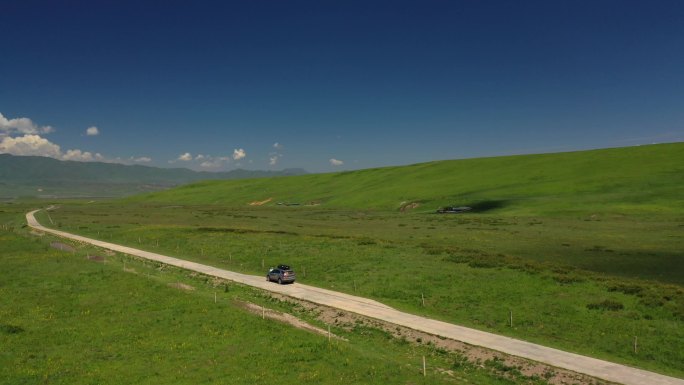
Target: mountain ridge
{"type": "Point", "coordinates": [48, 177]}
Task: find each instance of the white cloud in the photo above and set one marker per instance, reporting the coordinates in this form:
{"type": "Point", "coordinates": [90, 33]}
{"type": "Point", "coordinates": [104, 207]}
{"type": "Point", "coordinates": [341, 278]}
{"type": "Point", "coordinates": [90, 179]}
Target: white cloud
{"type": "Point", "coordinates": [277, 145]}
{"type": "Point", "coordinates": [30, 145]}
{"type": "Point", "coordinates": [273, 160]}
{"type": "Point", "coordinates": [239, 153]}
{"type": "Point", "coordinates": [211, 164]}
{"type": "Point", "coordinates": [142, 159]}
{"type": "Point", "coordinates": [22, 126]}
{"type": "Point", "coordinates": [92, 131]}
{"type": "Point", "coordinates": [336, 162]}
{"type": "Point", "coordinates": [35, 145]}
{"type": "Point", "coordinates": [78, 155]}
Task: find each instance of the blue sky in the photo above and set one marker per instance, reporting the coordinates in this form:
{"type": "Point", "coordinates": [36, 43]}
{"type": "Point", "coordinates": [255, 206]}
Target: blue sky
{"type": "Point", "coordinates": [337, 84]}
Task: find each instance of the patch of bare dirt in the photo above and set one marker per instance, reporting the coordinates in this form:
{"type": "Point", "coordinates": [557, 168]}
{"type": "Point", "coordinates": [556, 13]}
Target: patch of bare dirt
{"type": "Point", "coordinates": [96, 258]}
{"type": "Point", "coordinates": [473, 354]}
{"type": "Point", "coordinates": [286, 318]}
{"type": "Point", "coordinates": [182, 286]}
{"type": "Point", "coordinates": [407, 206]}
{"type": "Point", "coordinates": [62, 246]}
{"type": "Point", "coordinates": [259, 203]}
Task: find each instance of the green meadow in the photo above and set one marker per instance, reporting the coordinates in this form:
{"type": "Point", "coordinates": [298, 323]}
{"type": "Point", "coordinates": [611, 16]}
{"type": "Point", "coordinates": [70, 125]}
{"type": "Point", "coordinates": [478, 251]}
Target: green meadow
{"type": "Point", "coordinates": [111, 319]}
{"type": "Point", "coordinates": [584, 249]}
{"type": "Point", "coordinates": [645, 179]}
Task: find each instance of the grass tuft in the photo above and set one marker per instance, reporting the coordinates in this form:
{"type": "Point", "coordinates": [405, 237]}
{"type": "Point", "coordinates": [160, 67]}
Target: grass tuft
{"type": "Point", "coordinates": [607, 304]}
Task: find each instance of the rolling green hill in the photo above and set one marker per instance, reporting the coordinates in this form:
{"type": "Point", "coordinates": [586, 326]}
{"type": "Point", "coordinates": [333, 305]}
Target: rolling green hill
{"type": "Point", "coordinates": [41, 176]}
{"type": "Point", "coordinates": [632, 179]}
{"type": "Point", "coordinates": [584, 248]}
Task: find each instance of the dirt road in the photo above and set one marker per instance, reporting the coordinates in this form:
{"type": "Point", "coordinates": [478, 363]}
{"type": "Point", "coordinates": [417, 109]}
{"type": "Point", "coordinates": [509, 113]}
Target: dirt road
{"type": "Point", "coordinates": [581, 364]}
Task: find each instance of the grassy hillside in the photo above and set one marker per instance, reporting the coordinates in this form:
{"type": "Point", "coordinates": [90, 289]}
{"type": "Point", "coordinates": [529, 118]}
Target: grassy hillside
{"type": "Point", "coordinates": [584, 248]}
{"type": "Point", "coordinates": [632, 179]}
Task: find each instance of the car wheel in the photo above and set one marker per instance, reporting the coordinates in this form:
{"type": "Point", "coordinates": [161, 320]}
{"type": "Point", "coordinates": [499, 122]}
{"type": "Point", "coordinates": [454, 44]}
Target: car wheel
{"type": "Point", "coordinates": [268, 279]}
{"type": "Point", "coordinates": [280, 281]}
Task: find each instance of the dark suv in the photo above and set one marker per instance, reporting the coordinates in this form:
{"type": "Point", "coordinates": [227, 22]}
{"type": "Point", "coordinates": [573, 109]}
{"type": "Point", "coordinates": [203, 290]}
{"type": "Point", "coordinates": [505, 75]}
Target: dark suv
{"type": "Point", "coordinates": [280, 274]}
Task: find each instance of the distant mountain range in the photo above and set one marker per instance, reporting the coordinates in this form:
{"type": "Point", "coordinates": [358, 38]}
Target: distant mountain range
{"type": "Point", "coordinates": [38, 176]}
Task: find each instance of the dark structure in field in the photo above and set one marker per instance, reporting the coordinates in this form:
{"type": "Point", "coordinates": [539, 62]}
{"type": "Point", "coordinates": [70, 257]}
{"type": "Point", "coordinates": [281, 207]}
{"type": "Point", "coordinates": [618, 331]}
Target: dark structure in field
{"type": "Point", "coordinates": [453, 209]}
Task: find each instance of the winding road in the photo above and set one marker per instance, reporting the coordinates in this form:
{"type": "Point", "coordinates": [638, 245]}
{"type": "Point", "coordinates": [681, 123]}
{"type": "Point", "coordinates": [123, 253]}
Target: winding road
{"type": "Point", "coordinates": [582, 364]}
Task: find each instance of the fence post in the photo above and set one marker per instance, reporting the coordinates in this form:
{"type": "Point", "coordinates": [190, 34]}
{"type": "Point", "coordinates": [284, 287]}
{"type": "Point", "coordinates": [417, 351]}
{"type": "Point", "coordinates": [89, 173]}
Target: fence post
{"type": "Point", "coordinates": [635, 344]}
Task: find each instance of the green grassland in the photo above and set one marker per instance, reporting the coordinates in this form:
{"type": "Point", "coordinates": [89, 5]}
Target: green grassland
{"type": "Point", "coordinates": [65, 319]}
{"type": "Point", "coordinates": [633, 180]}
{"type": "Point", "coordinates": [586, 248]}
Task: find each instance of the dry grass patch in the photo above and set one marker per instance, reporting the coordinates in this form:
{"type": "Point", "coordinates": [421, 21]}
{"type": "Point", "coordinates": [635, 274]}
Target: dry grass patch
{"type": "Point", "coordinates": [62, 246]}
{"type": "Point", "coordinates": [285, 318]}
{"type": "Point", "coordinates": [181, 286]}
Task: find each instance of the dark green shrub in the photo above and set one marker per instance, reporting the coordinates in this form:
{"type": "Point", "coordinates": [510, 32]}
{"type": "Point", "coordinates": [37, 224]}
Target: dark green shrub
{"type": "Point", "coordinates": [366, 241]}
{"type": "Point", "coordinates": [626, 288]}
{"type": "Point", "coordinates": [678, 311]}
{"type": "Point", "coordinates": [455, 258]}
{"type": "Point", "coordinates": [608, 304]}
{"type": "Point", "coordinates": [499, 364]}
{"type": "Point", "coordinates": [652, 301]}
{"type": "Point", "coordinates": [11, 329]}
{"type": "Point", "coordinates": [484, 264]}
{"type": "Point", "coordinates": [567, 279]}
